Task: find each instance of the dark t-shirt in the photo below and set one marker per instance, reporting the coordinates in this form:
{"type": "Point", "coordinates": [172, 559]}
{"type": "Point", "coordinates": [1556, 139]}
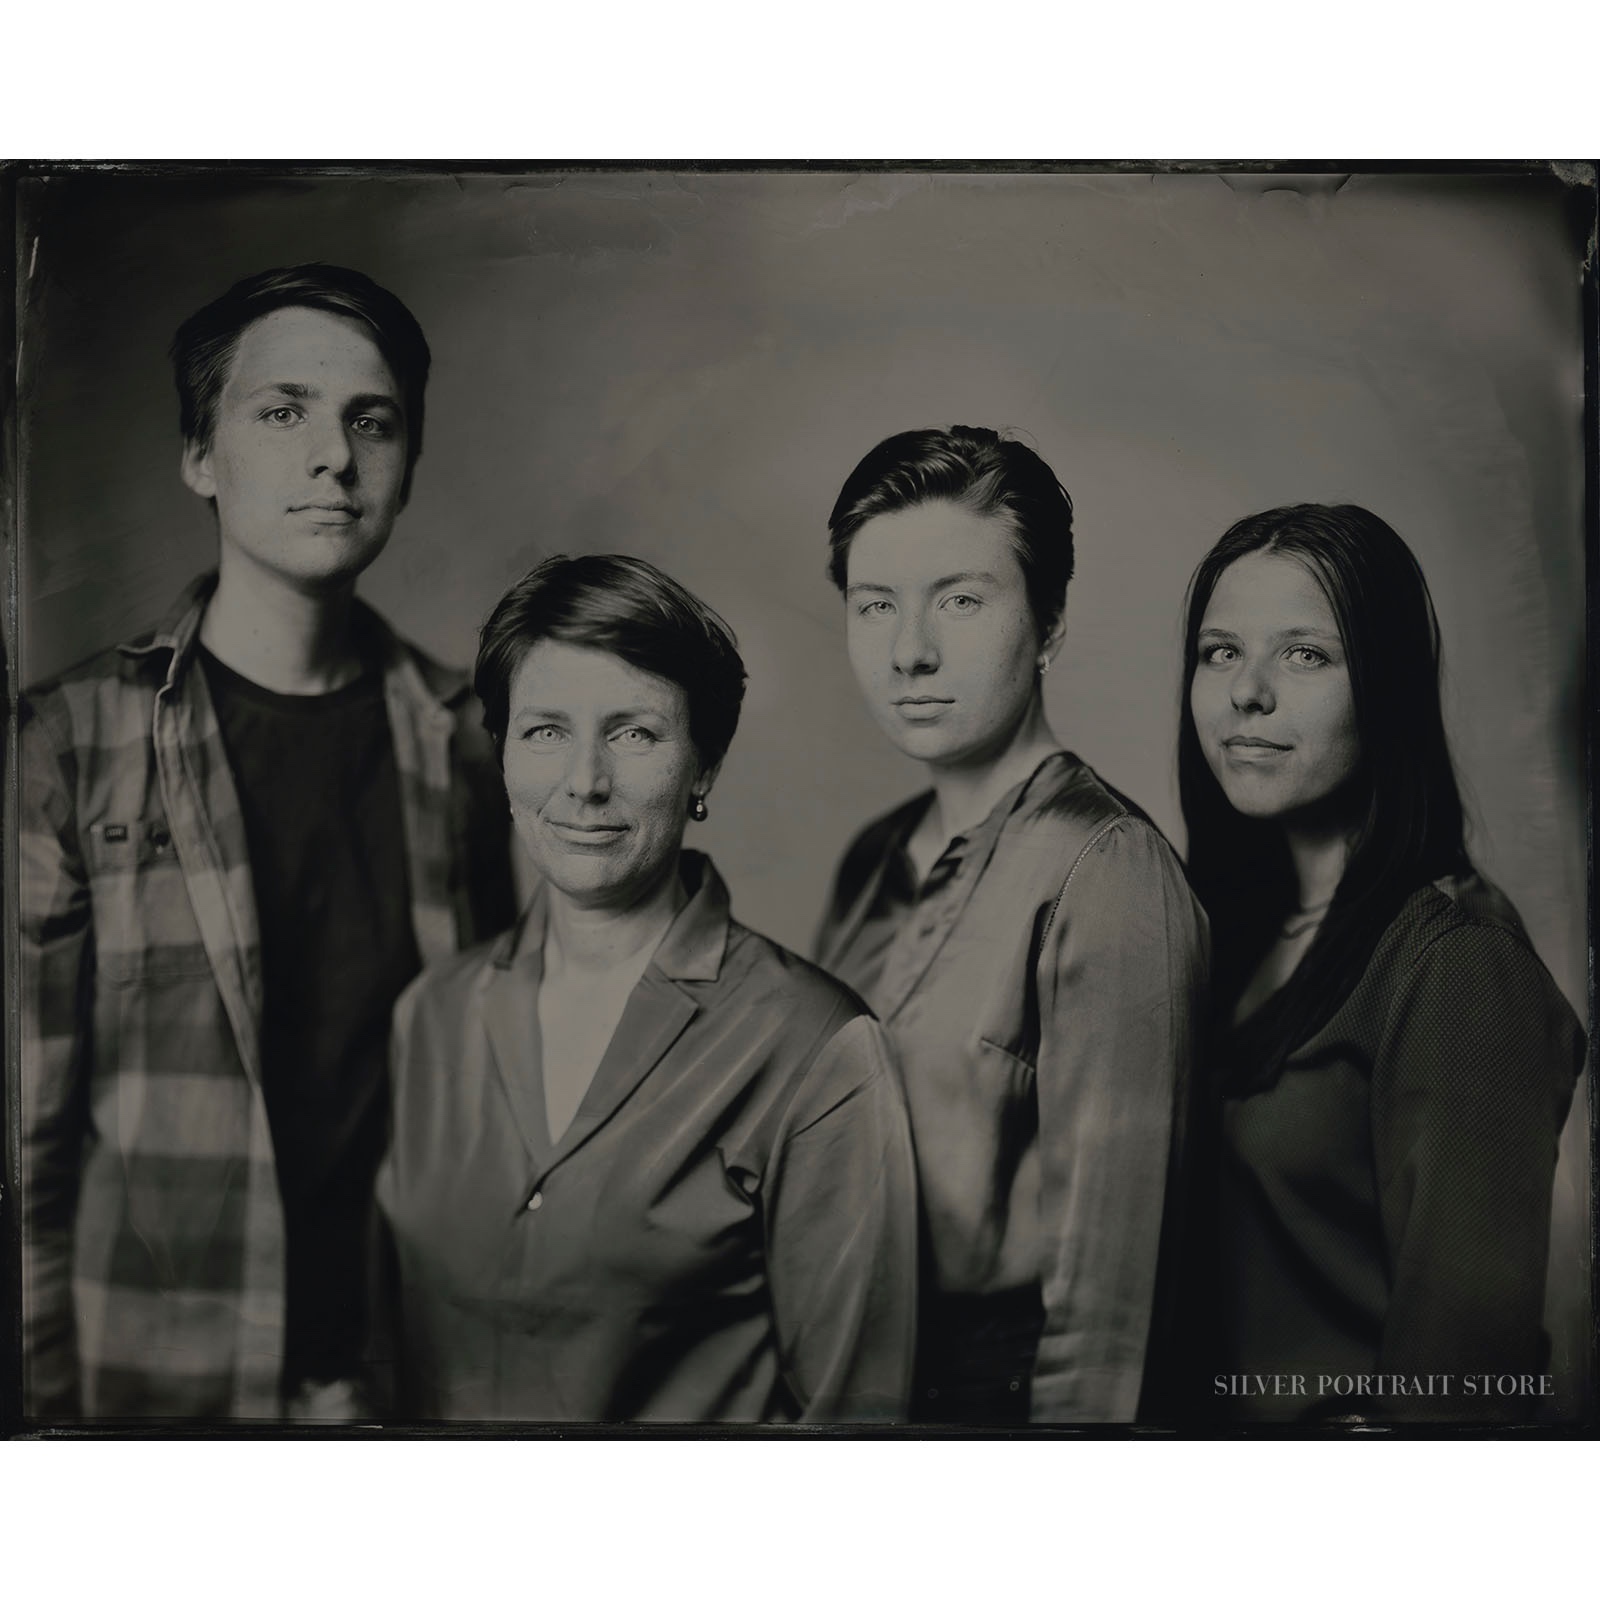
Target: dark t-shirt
{"type": "Point", "coordinates": [321, 800]}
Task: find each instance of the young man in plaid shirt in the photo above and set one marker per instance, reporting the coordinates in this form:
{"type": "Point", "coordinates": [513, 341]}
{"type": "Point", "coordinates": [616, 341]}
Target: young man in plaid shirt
{"type": "Point", "coordinates": [239, 837]}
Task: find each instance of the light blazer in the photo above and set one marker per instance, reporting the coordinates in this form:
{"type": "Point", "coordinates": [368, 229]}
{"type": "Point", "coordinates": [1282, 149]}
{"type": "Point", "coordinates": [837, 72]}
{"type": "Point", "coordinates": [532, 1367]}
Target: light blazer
{"type": "Point", "coordinates": [726, 1232]}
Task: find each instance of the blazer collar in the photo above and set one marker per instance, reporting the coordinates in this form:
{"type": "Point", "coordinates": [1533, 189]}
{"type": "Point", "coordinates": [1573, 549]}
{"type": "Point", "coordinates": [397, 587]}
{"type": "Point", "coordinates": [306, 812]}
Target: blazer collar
{"type": "Point", "coordinates": [691, 951]}
{"type": "Point", "coordinates": [656, 1014]}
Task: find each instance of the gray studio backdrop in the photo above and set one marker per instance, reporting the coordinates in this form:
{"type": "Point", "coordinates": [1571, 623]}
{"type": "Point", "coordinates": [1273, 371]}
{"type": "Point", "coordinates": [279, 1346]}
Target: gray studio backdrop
{"type": "Point", "coordinates": [685, 366]}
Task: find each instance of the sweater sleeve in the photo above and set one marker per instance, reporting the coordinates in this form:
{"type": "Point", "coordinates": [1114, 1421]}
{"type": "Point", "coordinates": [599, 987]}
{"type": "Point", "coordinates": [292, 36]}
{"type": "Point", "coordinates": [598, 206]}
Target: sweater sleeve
{"type": "Point", "coordinates": [1121, 984]}
{"type": "Point", "coordinates": [1471, 1084]}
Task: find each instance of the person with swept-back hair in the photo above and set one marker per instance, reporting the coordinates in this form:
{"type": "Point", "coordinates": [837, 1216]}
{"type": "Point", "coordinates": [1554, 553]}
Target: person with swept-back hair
{"type": "Point", "coordinates": [1393, 1062]}
{"type": "Point", "coordinates": [240, 835]}
{"type": "Point", "coordinates": [646, 1165]}
{"type": "Point", "coordinates": [1028, 939]}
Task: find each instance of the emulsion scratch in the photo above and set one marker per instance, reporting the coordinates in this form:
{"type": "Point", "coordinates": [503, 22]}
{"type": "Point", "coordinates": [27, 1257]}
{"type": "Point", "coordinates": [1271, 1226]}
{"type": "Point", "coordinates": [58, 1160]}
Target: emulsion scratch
{"type": "Point", "coordinates": [33, 261]}
{"type": "Point", "coordinates": [868, 193]}
{"type": "Point", "coordinates": [1308, 185]}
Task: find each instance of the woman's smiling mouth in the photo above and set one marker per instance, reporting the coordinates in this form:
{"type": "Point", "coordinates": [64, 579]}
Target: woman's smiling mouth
{"type": "Point", "coordinates": [921, 707]}
{"type": "Point", "coordinates": [593, 835]}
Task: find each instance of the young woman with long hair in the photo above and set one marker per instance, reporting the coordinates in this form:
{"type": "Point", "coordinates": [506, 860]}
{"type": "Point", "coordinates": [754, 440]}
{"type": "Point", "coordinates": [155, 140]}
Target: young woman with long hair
{"type": "Point", "coordinates": [1392, 1063]}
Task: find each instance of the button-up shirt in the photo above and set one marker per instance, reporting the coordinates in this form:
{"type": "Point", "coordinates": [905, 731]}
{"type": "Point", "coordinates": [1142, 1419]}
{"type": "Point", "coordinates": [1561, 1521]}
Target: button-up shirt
{"type": "Point", "coordinates": [1041, 989]}
{"type": "Point", "coordinates": [153, 1276]}
{"type": "Point", "coordinates": [726, 1232]}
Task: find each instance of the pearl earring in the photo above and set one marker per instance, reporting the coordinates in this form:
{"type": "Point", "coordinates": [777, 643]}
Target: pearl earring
{"type": "Point", "coordinates": [697, 807]}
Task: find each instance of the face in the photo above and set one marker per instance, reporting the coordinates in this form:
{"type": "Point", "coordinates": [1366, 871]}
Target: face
{"type": "Point", "coordinates": [941, 636]}
{"type": "Point", "coordinates": [600, 768]}
{"type": "Point", "coordinates": [1271, 691]}
{"type": "Point", "coordinates": [308, 457]}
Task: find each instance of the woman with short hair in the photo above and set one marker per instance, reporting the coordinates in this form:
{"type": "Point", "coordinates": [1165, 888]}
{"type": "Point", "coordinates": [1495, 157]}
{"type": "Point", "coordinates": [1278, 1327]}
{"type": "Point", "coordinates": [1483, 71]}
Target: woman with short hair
{"type": "Point", "coordinates": [1027, 937]}
{"type": "Point", "coordinates": [1394, 1063]}
{"type": "Point", "coordinates": [646, 1165]}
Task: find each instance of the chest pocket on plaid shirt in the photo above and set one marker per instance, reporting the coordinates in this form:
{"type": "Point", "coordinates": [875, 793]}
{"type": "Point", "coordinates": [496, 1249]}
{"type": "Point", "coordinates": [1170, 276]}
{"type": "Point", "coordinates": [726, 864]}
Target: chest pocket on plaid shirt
{"type": "Point", "coordinates": [144, 924]}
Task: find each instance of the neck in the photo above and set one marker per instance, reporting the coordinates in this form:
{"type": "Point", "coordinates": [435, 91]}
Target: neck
{"type": "Point", "coordinates": [279, 637]}
{"type": "Point", "coordinates": [964, 795]}
{"type": "Point", "coordinates": [591, 940]}
{"type": "Point", "coordinates": [1319, 856]}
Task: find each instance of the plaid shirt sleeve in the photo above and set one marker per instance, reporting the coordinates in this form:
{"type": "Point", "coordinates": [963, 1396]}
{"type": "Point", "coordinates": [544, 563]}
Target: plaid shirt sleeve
{"type": "Point", "coordinates": [488, 890]}
{"type": "Point", "coordinates": [57, 966]}
{"type": "Point", "coordinates": [153, 1250]}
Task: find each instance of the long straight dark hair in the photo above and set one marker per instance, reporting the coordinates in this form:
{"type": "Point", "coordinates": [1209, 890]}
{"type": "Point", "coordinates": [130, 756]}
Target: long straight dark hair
{"type": "Point", "coordinates": [1406, 820]}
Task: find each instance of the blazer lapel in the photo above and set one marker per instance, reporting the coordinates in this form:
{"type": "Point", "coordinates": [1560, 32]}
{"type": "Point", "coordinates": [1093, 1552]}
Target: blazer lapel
{"type": "Point", "coordinates": [655, 1016]}
{"type": "Point", "coordinates": [660, 1007]}
{"type": "Point", "coordinates": [511, 1020]}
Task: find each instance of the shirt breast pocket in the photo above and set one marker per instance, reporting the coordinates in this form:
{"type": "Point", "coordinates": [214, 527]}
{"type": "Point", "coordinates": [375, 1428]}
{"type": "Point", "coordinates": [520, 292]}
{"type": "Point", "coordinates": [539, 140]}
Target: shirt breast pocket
{"type": "Point", "coordinates": [144, 922]}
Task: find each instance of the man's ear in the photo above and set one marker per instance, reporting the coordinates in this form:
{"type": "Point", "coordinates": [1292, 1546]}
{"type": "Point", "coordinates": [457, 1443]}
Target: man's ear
{"type": "Point", "coordinates": [195, 469]}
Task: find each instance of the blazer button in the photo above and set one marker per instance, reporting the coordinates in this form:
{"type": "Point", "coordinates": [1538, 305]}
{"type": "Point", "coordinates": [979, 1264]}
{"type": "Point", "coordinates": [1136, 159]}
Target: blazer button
{"type": "Point", "coordinates": [536, 1201]}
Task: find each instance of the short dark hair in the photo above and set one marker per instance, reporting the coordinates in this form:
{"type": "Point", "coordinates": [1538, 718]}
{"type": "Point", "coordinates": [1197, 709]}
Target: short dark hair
{"type": "Point", "coordinates": [631, 609]}
{"type": "Point", "coordinates": [1406, 812]}
{"type": "Point", "coordinates": [978, 469]}
{"type": "Point", "coordinates": [202, 349]}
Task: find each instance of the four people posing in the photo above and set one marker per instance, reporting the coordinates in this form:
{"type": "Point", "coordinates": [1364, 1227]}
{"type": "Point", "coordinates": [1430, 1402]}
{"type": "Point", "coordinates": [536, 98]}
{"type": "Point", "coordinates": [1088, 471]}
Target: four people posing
{"type": "Point", "coordinates": [631, 1161]}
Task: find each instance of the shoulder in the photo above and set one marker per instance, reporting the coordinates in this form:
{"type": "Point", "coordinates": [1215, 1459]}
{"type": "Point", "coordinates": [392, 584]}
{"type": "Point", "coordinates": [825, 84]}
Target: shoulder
{"type": "Point", "coordinates": [1109, 882]}
{"type": "Point", "coordinates": [865, 854]}
{"type": "Point", "coordinates": [1452, 918]}
{"type": "Point", "coordinates": [823, 1047]}
{"type": "Point", "coordinates": [442, 993]}
{"type": "Point", "coordinates": [814, 1001]}
{"type": "Point", "coordinates": [871, 842]}
{"type": "Point", "coordinates": [134, 667]}
{"type": "Point", "coordinates": [1077, 797]}
{"type": "Point", "coordinates": [1082, 820]}
{"type": "Point", "coordinates": [444, 688]}
{"type": "Point", "coordinates": [105, 701]}
{"type": "Point", "coordinates": [450, 686]}
{"type": "Point", "coordinates": [1457, 956]}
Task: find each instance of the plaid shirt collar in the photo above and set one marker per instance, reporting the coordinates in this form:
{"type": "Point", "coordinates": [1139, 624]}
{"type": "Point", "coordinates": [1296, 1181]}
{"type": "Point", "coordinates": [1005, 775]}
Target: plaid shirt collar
{"type": "Point", "coordinates": [428, 686]}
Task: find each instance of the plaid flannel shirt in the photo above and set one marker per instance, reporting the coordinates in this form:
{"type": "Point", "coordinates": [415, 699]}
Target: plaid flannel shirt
{"type": "Point", "coordinates": [152, 1231]}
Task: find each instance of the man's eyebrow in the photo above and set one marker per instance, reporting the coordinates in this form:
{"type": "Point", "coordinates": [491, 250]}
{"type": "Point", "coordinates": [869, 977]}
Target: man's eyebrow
{"type": "Point", "coordinates": [290, 391]}
{"type": "Point", "coordinates": [367, 401]}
